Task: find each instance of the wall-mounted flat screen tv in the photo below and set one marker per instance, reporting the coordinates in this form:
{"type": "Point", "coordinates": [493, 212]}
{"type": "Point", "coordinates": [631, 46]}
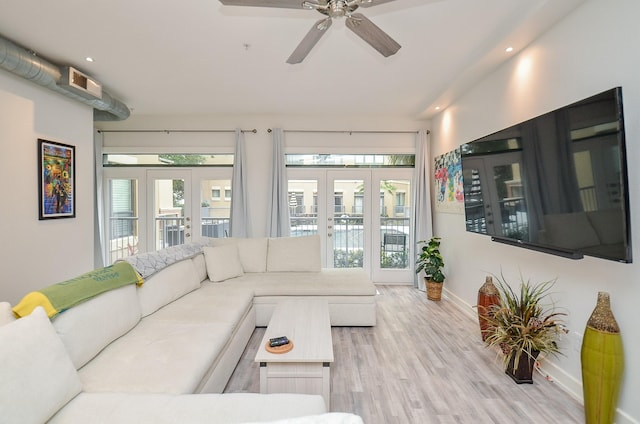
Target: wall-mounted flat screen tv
{"type": "Point", "coordinates": [556, 183]}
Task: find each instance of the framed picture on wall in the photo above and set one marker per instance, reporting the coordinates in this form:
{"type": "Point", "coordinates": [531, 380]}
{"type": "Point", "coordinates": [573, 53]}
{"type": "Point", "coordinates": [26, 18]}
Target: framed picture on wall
{"type": "Point", "coordinates": [56, 180]}
{"type": "Point", "coordinates": [448, 182]}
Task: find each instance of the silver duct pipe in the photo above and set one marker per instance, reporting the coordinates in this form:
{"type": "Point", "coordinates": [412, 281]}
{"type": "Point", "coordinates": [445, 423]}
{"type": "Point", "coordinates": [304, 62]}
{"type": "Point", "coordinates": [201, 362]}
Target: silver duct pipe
{"type": "Point", "coordinates": [24, 63]}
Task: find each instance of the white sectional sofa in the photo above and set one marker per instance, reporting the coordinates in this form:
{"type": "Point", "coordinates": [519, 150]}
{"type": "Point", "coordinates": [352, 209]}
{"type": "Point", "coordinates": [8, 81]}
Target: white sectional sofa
{"type": "Point", "coordinates": [164, 351]}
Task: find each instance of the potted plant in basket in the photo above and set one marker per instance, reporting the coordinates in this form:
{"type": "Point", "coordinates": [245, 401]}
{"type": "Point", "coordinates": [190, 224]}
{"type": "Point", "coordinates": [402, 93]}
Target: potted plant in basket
{"type": "Point", "coordinates": [524, 326]}
{"type": "Point", "coordinates": [430, 261]}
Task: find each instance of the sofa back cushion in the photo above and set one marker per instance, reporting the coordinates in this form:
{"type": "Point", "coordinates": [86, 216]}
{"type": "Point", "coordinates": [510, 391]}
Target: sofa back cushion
{"type": "Point", "coordinates": [252, 251]}
{"type": "Point", "coordinates": [298, 254]}
{"type": "Point", "coordinates": [200, 266]}
{"type": "Point", "coordinates": [167, 285]}
{"type": "Point", "coordinates": [38, 377]}
{"type": "Point", "coordinates": [223, 262]}
{"type": "Point", "coordinates": [6, 314]}
{"type": "Point", "coordinates": [87, 328]}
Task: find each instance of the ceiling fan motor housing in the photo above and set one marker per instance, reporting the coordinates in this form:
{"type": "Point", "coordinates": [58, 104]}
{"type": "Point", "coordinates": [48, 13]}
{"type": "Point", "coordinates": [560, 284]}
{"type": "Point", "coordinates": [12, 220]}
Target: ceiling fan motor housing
{"type": "Point", "coordinates": [335, 8]}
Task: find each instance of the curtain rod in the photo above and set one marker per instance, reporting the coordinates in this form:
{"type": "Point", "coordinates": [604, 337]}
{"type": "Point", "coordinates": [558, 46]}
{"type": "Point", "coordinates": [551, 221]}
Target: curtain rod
{"type": "Point", "coordinates": [350, 132]}
{"type": "Point", "coordinates": [175, 131]}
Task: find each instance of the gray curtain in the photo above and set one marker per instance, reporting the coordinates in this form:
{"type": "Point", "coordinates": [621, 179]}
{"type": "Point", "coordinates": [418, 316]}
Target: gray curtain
{"type": "Point", "coordinates": [239, 207]}
{"type": "Point", "coordinates": [98, 215]}
{"type": "Point", "coordinates": [278, 213]}
{"type": "Point", "coordinates": [422, 222]}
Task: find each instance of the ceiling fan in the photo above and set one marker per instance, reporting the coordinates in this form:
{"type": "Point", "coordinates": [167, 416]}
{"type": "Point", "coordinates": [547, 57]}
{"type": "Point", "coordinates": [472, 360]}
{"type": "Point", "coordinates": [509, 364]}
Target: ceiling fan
{"type": "Point", "coordinates": [356, 22]}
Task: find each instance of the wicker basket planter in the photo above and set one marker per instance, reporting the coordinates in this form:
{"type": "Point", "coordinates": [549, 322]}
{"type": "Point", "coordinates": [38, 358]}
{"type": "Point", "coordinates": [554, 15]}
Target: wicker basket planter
{"type": "Point", "coordinates": [434, 290]}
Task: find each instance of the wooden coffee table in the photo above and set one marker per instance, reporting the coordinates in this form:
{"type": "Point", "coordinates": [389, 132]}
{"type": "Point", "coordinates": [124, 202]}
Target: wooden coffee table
{"type": "Point", "coordinates": [305, 368]}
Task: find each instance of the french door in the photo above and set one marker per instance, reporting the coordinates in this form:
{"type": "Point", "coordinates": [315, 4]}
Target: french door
{"type": "Point", "coordinates": [362, 216]}
{"type": "Point", "coordinates": [500, 202]}
{"type": "Point", "coordinates": [150, 209]}
{"type": "Point", "coordinates": [169, 217]}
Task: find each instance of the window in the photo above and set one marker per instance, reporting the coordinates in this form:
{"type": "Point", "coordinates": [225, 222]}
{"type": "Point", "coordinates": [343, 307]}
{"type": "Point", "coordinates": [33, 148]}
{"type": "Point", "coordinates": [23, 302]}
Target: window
{"type": "Point", "coordinates": [296, 203]}
{"type": "Point", "coordinates": [214, 213]}
{"type": "Point", "coordinates": [181, 196]}
{"type": "Point", "coordinates": [355, 161]}
{"type": "Point", "coordinates": [123, 218]}
{"type": "Point", "coordinates": [401, 199]}
{"type": "Point", "coordinates": [358, 203]}
{"type": "Point", "coordinates": [166, 159]}
{"type": "Point", "coordinates": [338, 202]}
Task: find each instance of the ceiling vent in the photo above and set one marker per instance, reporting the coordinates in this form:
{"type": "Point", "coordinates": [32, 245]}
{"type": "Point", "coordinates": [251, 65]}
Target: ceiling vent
{"type": "Point", "coordinates": [80, 83]}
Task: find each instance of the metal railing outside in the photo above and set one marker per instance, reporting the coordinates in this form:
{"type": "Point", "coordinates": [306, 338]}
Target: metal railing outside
{"type": "Point", "coordinates": [215, 227]}
{"type": "Point", "coordinates": [123, 237]}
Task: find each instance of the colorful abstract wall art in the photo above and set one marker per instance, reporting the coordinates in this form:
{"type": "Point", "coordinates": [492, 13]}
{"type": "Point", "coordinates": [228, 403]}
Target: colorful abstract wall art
{"type": "Point", "coordinates": [448, 183]}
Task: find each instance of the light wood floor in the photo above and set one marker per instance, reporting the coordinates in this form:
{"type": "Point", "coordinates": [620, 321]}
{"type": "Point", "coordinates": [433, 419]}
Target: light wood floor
{"type": "Point", "coordinates": [424, 362]}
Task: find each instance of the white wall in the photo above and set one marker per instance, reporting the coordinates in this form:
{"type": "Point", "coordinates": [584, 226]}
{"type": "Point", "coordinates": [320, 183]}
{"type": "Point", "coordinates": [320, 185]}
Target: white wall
{"type": "Point", "coordinates": [35, 253]}
{"type": "Point", "coordinates": [592, 50]}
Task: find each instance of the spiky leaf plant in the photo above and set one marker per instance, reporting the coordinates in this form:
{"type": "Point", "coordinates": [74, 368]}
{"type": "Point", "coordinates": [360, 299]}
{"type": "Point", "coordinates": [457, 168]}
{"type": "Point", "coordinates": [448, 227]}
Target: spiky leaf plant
{"type": "Point", "coordinates": [524, 323]}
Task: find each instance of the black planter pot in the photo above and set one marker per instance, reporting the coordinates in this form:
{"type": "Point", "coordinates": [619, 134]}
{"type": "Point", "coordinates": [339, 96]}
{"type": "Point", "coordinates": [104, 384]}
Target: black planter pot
{"type": "Point", "coordinates": [524, 373]}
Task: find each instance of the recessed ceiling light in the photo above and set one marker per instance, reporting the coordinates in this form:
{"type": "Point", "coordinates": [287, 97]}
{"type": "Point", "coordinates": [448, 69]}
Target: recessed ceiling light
{"type": "Point", "coordinates": [508, 49]}
{"type": "Point", "coordinates": [88, 59]}
{"type": "Point", "coordinates": [437, 107]}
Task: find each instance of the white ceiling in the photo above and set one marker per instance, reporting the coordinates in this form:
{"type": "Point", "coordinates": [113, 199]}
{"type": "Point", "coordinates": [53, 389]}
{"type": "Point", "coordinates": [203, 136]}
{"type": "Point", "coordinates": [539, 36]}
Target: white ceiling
{"type": "Point", "coordinates": [200, 57]}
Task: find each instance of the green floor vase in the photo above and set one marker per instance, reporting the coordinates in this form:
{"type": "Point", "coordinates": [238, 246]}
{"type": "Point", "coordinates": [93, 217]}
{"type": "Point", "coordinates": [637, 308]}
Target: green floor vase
{"type": "Point", "coordinates": [602, 364]}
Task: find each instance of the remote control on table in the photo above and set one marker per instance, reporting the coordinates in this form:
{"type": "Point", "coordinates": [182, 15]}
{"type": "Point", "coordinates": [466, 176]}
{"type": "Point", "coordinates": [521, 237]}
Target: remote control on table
{"type": "Point", "coordinates": [278, 341]}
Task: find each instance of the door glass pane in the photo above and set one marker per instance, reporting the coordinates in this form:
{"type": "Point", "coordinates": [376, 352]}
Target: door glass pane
{"type": "Point", "coordinates": [215, 210]}
{"type": "Point", "coordinates": [348, 231]}
{"type": "Point", "coordinates": [476, 221]}
{"type": "Point", "coordinates": [303, 207]}
{"type": "Point", "coordinates": [394, 223]}
{"type": "Point", "coordinates": [168, 212]}
{"type": "Point", "coordinates": [123, 218]}
{"type": "Point", "coordinates": [513, 209]}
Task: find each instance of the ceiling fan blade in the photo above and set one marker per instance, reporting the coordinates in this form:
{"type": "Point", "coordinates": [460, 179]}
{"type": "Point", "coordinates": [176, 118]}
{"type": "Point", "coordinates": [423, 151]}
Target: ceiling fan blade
{"type": "Point", "coordinates": [309, 41]}
{"type": "Point", "coordinates": [371, 3]}
{"type": "Point", "coordinates": [288, 4]}
{"type": "Point", "coordinates": [372, 34]}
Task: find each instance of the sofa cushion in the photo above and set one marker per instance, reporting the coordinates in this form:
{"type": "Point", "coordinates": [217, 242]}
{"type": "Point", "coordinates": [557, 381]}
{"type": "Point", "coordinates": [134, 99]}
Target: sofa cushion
{"type": "Point", "coordinates": [211, 303]}
{"type": "Point", "coordinates": [87, 328]}
{"type": "Point", "coordinates": [157, 356]}
{"type": "Point", "coordinates": [223, 262]}
{"type": "Point", "coordinates": [328, 282]}
{"type": "Point", "coordinates": [38, 377]}
{"type": "Point", "coordinates": [300, 254]}
{"type": "Point", "coordinates": [6, 314]}
{"type": "Point", "coordinates": [252, 251]}
{"type": "Point", "coordinates": [168, 285]}
{"type": "Point", "coordinates": [228, 408]}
